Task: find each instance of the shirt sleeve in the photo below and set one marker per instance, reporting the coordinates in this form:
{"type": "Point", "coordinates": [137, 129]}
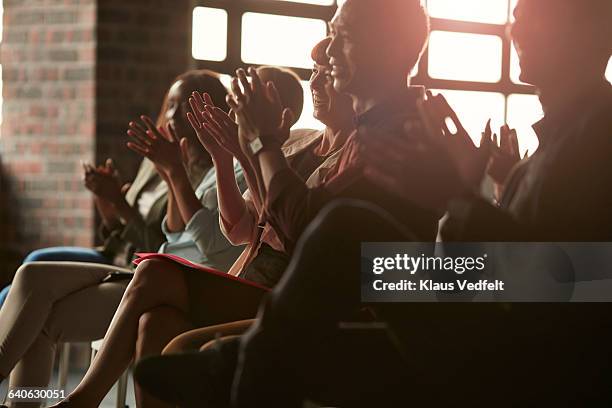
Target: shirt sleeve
{"type": "Point", "coordinates": [171, 236]}
{"type": "Point", "coordinates": [291, 206]}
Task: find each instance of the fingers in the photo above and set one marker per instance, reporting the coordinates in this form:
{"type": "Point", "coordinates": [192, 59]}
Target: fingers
{"type": "Point", "coordinates": [141, 150]}
{"type": "Point", "coordinates": [208, 99]}
{"type": "Point", "coordinates": [244, 81]}
{"type": "Point", "coordinates": [514, 144]}
{"type": "Point", "coordinates": [137, 132]}
{"type": "Point", "coordinates": [231, 102]}
{"type": "Point", "coordinates": [256, 83]}
{"type": "Point", "coordinates": [125, 188]}
{"type": "Point", "coordinates": [172, 133]}
{"type": "Point", "coordinates": [195, 124]}
{"type": "Point", "coordinates": [197, 107]}
{"type": "Point", "coordinates": [153, 132]}
{"type": "Point", "coordinates": [237, 92]}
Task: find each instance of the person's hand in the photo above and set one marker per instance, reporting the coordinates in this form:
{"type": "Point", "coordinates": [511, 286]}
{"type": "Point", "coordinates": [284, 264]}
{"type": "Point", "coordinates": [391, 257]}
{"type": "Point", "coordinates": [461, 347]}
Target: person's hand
{"type": "Point", "coordinates": [217, 132]}
{"type": "Point", "coordinates": [162, 146]}
{"type": "Point", "coordinates": [471, 161]}
{"type": "Point", "coordinates": [104, 182]}
{"type": "Point", "coordinates": [412, 167]}
{"type": "Point", "coordinates": [505, 156]}
{"type": "Point", "coordinates": [258, 111]}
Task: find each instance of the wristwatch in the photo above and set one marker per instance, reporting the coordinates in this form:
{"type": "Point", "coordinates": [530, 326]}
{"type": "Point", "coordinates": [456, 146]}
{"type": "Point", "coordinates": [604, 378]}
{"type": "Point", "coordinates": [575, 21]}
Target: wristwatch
{"type": "Point", "coordinates": [259, 144]}
{"type": "Point", "coordinates": [256, 146]}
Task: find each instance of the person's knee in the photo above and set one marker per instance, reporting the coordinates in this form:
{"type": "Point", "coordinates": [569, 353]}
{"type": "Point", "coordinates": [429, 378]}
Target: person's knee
{"type": "Point", "coordinates": [30, 277]}
{"type": "Point", "coordinates": [150, 274]}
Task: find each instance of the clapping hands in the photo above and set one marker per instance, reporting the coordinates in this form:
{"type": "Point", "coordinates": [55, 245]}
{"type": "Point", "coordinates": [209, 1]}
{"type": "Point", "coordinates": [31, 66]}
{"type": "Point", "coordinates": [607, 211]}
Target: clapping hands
{"type": "Point", "coordinates": [160, 145]}
{"type": "Point", "coordinates": [258, 109]}
{"type": "Point", "coordinates": [104, 181]}
{"type": "Point", "coordinates": [215, 129]}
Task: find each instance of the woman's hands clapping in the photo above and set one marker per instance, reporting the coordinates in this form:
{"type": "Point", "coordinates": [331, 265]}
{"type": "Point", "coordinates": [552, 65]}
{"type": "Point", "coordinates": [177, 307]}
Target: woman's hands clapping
{"type": "Point", "coordinates": [215, 129]}
{"type": "Point", "coordinates": [162, 146]}
{"type": "Point", "coordinates": [259, 111]}
{"type": "Point", "coordinates": [104, 182]}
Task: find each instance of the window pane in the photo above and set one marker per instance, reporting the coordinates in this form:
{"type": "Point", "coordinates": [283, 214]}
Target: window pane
{"type": "Point", "coordinates": [280, 40]}
{"type": "Point", "coordinates": [209, 41]}
{"type": "Point", "coordinates": [465, 57]}
{"type": "Point", "coordinates": [515, 67]}
{"type": "Point", "coordinates": [523, 112]}
{"type": "Point", "coordinates": [483, 11]}
{"type": "Point", "coordinates": [475, 109]}
{"type": "Point", "coordinates": [307, 121]}
{"type": "Point", "coordinates": [609, 70]}
{"type": "Point", "coordinates": [513, 4]}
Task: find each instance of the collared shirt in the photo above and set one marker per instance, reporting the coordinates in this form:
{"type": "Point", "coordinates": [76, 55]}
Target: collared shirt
{"type": "Point", "coordinates": [292, 205]}
{"type": "Point", "coordinates": [562, 193]}
{"type": "Point", "coordinates": [202, 241]}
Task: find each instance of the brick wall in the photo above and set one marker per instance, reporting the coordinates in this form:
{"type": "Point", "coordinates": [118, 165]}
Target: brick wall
{"type": "Point", "coordinates": [74, 73]}
{"type": "Point", "coordinates": [142, 46]}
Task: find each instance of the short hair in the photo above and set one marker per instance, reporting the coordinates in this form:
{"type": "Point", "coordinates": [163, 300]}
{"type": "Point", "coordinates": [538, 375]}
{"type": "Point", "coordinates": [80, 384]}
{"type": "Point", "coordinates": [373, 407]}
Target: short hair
{"type": "Point", "coordinates": [319, 52]}
{"type": "Point", "coordinates": [288, 85]}
{"type": "Point", "coordinates": [201, 80]}
{"type": "Point", "coordinates": [405, 21]}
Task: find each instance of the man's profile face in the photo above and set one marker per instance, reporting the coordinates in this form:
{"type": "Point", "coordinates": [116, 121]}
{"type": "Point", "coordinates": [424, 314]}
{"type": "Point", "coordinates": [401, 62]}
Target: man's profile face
{"type": "Point", "coordinates": [542, 36]}
{"type": "Point", "coordinates": [351, 51]}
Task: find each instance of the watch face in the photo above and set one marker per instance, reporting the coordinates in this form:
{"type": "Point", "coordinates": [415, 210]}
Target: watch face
{"type": "Point", "coordinates": [256, 145]}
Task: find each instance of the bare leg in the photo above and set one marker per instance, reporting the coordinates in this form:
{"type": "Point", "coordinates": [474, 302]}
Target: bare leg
{"type": "Point", "coordinates": [156, 283]}
{"type": "Point", "coordinates": [194, 339]}
{"type": "Point", "coordinates": [155, 329]}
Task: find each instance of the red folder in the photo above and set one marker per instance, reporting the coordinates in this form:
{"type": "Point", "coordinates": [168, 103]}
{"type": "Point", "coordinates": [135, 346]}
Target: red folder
{"type": "Point", "coordinates": [201, 268]}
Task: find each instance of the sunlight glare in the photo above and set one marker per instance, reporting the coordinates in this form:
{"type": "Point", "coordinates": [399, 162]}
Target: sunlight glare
{"type": "Point", "coordinates": [481, 11]}
{"type": "Point", "coordinates": [465, 57]}
{"type": "Point", "coordinates": [523, 112]}
{"type": "Point", "coordinates": [474, 109]}
{"type": "Point", "coordinates": [280, 40]}
{"type": "Point", "coordinates": [209, 34]}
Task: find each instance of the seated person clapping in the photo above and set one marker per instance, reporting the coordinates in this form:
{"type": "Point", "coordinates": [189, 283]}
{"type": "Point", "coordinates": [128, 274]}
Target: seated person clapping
{"type": "Point", "coordinates": [164, 299]}
{"type": "Point", "coordinates": [71, 301]}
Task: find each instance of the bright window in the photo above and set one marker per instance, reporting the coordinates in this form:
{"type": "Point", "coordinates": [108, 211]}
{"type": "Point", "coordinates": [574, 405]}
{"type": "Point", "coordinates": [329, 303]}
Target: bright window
{"type": "Point", "coordinates": [280, 40]}
{"type": "Point", "coordinates": [465, 57]}
{"type": "Point", "coordinates": [475, 109]}
{"type": "Point", "coordinates": [523, 112]}
{"type": "Point", "coordinates": [482, 11]}
{"type": "Point", "coordinates": [209, 34]}
{"type": "Point", "coordinates": [609, 70]}
{"type": "Point", "coordinates": [467, 63]}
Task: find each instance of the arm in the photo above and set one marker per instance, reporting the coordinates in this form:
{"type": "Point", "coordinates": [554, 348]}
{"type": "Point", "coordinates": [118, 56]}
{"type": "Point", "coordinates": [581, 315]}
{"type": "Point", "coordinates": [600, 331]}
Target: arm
{"type": "Point", "coordinates": [164, 148]}
{"type": "Point", "coordinates": [216, 125]}
{"type": "Point", "coordinates": [174, 222]}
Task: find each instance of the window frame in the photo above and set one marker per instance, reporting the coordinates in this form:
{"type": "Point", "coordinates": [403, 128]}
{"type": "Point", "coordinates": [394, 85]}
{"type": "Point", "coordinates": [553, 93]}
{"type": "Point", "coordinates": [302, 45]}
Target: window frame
{"type": "Point", "coordinates": [236, 8]}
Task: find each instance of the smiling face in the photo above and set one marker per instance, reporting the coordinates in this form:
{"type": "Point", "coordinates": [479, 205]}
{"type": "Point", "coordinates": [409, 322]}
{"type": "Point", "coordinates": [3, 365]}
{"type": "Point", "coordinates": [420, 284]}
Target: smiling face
{"type": "Point", "coordinates": [330, 107]}
{"type": "Point", "coordinates": [177, 107]}
{"type": "Point", "coordinates": [351, 51]}
{"type": "Point", "coordinates": [373, 48]}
